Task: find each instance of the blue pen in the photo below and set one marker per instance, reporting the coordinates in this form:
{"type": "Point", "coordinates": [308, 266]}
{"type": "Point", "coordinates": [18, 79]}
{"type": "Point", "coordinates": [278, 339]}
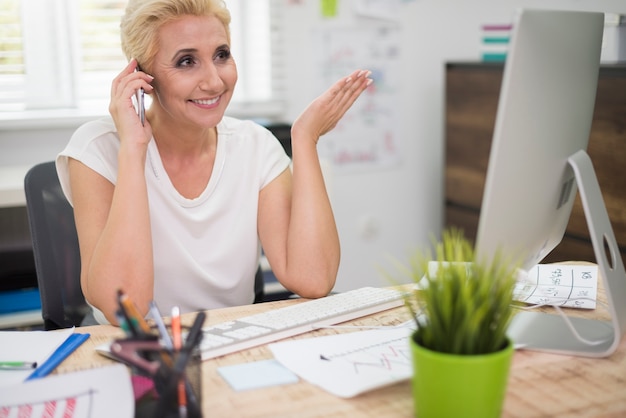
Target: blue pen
{"type": "Point", "coordinates": [60, 354]}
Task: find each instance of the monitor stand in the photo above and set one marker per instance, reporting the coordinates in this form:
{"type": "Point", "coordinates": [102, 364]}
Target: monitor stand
{"type": "Point", "coordinates": [549, 332]}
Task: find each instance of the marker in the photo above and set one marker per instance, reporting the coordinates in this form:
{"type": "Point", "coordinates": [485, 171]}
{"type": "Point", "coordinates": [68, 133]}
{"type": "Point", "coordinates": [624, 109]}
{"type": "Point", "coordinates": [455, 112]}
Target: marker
{"type": "Point", "coordinates": [178, 345]}
{"type": "Point", "coordinates": [17, 365]}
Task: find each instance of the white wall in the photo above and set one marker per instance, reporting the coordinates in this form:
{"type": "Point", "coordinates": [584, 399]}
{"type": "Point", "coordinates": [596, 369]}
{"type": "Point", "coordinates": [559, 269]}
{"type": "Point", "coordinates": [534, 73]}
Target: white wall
{"type": "Point", "coordinates": [402, 205]}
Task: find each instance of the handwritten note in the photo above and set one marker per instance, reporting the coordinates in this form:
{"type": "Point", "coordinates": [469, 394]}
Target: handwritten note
{"type": "Point", "coordinates": [349, 364]}
{"type": "Point", "coordinates": [572, 286]}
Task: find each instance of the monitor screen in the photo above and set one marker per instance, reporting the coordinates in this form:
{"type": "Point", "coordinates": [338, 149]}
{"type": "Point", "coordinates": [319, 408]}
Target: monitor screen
{"type": "Point", "coordinates": [544, 116]}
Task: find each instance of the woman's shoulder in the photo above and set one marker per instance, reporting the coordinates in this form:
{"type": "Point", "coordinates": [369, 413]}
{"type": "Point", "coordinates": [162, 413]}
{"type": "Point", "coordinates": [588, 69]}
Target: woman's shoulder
{"type": "Point", "coordinates": [98, 134]}
{"type": "Point", "coordinates": [95, 128]}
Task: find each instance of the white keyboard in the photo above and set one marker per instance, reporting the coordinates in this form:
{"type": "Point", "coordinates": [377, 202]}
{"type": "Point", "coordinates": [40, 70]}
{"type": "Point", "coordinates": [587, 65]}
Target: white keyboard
{"type": "Point", "coordinates": [266, 327]}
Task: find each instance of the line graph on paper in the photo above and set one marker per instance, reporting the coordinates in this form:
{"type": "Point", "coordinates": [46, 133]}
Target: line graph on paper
{"type": "Point", "coordinates": [350, 363]}
{"type": "Point", "coordinates": [390, 356]}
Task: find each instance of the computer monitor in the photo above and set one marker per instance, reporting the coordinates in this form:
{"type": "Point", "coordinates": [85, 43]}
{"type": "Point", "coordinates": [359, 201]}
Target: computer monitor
{"type": "Point", "coordinates": [538, 158]}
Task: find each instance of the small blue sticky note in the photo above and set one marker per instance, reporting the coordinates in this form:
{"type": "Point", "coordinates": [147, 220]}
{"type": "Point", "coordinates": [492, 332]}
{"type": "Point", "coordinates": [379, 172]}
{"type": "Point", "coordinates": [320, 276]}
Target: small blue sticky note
{"type": "Point", "coordinates": [258, 374]}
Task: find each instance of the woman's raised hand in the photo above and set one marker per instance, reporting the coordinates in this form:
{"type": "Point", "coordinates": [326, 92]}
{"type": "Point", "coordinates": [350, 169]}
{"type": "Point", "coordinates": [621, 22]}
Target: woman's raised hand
{"type": "Point", "coordinates": [323, 113]}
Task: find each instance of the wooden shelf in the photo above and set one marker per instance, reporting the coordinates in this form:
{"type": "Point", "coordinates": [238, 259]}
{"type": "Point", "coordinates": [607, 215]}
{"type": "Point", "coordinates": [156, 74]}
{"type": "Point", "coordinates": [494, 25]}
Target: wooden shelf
{"type": "Point", "coordinates": [472, 93]}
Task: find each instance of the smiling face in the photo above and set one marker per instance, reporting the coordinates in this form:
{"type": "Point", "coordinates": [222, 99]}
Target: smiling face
{"type": "Point", "coordinates": [194, 72]}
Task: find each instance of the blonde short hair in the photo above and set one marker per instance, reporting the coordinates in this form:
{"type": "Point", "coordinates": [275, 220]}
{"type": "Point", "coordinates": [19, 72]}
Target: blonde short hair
{"type": "Point", "coordinates": [143, 18]}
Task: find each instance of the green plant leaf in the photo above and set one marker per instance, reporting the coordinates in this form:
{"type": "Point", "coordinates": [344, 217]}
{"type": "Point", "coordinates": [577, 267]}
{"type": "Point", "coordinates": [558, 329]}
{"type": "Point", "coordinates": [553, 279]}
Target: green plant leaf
{"type": "Point", "coordinates": [467, 304]}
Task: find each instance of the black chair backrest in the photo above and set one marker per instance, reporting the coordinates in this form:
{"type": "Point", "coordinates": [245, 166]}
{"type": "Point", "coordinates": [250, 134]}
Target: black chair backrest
{"type": "Point", "coordinates": [282, 131]}
{"type": "Point", "coordinates": [55, 247]}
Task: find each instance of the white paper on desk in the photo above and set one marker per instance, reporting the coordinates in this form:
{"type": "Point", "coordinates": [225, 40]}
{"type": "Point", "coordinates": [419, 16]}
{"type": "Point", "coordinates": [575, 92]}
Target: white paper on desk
{"type": "Point", "coordinates": [30, 346]}
{"type": "Point", "coordinates": [357, 361]}
{"type": "Point", "coordinates": [104, 392]}
{"type": "Point", "coordinates": [571, 286]}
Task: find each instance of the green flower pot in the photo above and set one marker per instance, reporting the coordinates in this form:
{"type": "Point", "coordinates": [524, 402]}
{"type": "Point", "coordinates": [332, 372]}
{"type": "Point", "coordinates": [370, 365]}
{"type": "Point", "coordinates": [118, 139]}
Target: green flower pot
{"type": "Point", "coordinates": [457, 386]}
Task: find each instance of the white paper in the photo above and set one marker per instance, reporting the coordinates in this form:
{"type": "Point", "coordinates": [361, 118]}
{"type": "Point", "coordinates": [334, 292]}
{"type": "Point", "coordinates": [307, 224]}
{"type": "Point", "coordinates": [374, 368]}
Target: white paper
{"type": "Point", "coordinates": [30, 346]}
{"type": "Point", "coordinates": [104, 392]}
{"type": "Point", "coordinates": [356, 362]}
{"type": "Point", "coordinates": [565, 285]}
{"type": "Point", "coordinates": [572, 286]}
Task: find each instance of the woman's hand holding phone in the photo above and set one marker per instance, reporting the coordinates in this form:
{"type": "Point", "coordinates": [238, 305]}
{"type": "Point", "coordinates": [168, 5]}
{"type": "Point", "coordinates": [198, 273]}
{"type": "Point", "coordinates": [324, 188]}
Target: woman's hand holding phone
{"type": "Point", "coordinates": [127, 106]}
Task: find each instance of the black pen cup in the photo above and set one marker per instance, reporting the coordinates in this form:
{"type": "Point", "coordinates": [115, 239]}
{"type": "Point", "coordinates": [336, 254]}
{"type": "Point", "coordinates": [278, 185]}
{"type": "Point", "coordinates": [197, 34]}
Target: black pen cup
{"type": "Point", "coordinates": [165, 399]}
{"type": "Point", "coordinates": [181, 397]}
{"type": "Point", "coordinates": [167, 383]}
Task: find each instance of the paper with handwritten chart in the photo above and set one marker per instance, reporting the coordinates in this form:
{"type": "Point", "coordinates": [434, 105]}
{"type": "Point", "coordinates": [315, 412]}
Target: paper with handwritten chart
{"type": "Point", "coordinates": [352, 363]}
{"type": "Point", "coordinates": [96, 393]}
{"type": "Point", "coordinates": [571, 286]}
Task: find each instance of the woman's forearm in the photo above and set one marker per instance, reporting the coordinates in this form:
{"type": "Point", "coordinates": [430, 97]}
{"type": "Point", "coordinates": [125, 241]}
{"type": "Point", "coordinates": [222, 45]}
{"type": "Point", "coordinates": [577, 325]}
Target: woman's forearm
{"type": "Point", "coordinates": [312, 242]}
{"type": "Point", "coordinates": [122, 254]}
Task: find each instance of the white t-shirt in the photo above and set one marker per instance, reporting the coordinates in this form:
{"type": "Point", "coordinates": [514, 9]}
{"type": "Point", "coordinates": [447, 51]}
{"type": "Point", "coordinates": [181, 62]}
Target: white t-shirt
{"type": "Point", "coordinates": [206, 250]}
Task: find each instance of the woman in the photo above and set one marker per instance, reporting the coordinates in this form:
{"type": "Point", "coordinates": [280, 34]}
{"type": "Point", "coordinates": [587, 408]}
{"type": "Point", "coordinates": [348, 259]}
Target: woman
{"type": "Point", "coordinates": [176, 210]}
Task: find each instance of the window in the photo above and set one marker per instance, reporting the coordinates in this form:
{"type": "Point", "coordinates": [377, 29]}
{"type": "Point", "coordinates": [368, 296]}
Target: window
{"type": "Point", "coordinates": [11, 54]}
{"type": "Point", "coordinates": [64, 54]}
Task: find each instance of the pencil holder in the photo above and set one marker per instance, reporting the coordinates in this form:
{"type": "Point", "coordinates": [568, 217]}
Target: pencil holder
{"type": "Point", "coordinates": [181, 396]}
{"type": "Point", "coordinates": [167, 383]}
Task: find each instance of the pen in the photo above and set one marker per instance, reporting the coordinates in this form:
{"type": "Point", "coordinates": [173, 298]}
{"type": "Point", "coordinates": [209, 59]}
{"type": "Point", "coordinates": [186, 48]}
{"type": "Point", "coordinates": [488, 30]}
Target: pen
{"type": "Point", "coordinates": [127, 324]}
{"type": "Point", "coordinates": [69, 345]}
{"type": "Point", "coordinates": [178, 343]}
{"type": "Point", "coordinates": [195, 332]}
{"type": "Point", "coordinates": [130, 309]}
{"type": "Point", "coordinates": [158, 319]}
{"type": "Point", "coordinates": [17, 365]}
{"type": "Point", "coordinates": [124, 323]}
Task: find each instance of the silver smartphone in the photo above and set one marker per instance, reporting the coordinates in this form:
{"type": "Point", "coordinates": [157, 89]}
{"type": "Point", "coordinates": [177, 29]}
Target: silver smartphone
{"type": "Point", "coordinates": [141, 109]}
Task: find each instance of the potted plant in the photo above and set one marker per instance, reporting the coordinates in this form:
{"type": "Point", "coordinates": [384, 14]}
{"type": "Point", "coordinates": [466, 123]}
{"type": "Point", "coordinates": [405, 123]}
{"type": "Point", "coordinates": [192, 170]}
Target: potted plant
{"type": "Point", "coordinates": [462, 307]}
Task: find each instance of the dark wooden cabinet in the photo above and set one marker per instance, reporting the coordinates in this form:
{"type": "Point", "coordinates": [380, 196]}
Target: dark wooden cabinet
{"type": "Point", "coordinates": [472, 93]}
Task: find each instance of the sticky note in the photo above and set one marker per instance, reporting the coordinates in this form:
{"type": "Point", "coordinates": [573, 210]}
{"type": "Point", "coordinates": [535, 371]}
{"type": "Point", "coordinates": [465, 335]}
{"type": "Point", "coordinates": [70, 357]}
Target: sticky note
{"type": "Point", "coordinates": [329, 8]}
{"type": "Point", "coordinates": [257, 375]}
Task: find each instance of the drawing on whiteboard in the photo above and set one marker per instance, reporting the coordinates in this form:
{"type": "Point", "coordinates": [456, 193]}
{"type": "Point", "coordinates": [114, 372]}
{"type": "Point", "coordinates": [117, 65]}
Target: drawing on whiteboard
{"type": "Point", "coordinates": [367, 135]}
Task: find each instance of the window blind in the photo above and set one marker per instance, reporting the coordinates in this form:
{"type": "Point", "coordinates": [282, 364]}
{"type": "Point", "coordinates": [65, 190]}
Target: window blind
{"type": "Point", "coordinates": [64, 54]}
{"type": "Point", "coordinates": [101, 57]}
{"type": "Point", "coordinates": [11, 55]}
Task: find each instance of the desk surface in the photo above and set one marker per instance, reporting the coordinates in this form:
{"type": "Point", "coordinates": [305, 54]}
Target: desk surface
{"type": "Point", "coordinates": [540, 384]}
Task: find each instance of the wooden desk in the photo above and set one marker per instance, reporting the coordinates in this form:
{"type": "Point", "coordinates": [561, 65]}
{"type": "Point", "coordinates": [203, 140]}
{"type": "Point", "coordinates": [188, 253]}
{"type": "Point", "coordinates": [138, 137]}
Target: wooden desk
{"type": "Point", "coordinates": [540, 385]}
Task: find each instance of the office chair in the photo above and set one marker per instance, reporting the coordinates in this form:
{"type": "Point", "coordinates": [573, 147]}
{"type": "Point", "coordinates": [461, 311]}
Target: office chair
{"type": "Point", "coordinates": [55, 247]}
{"type": "Point", "coordinates": [57, 256]}
{"type": "Point", "coordinates": [282, 131]}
